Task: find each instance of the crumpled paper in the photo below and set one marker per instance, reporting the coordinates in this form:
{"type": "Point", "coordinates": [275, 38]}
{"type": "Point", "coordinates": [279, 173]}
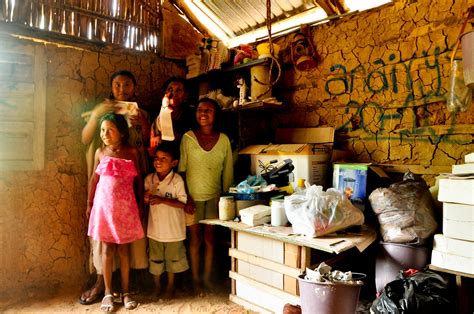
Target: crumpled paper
{"type": "Point", "coordinates": [323, 273]}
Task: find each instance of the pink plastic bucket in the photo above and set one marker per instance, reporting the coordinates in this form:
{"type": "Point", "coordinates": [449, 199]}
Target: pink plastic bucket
{"type": "Point", "coordinates": [328, 298]}
{"type": "Point", "coordinates": [467, 44]}
{"type": "Point", "coordinates": [393, 257]}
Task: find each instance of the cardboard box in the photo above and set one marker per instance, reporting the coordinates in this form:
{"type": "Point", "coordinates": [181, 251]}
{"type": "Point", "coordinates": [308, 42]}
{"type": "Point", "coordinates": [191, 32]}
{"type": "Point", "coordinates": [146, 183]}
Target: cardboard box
{"type": "Point", "coordinates": [309, 149]}
{"type": "Point", "coordinates": [304, 135]}
{"type": "Point", "coordinates": [310, 160]}
{"type": "Point", "coordinates": [351, 179]}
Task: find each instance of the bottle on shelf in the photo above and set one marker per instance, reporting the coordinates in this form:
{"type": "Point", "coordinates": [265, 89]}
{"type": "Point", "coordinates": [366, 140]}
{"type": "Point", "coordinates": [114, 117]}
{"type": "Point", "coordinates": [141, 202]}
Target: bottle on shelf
{"type": "Point", "coordinates": [300, 186]}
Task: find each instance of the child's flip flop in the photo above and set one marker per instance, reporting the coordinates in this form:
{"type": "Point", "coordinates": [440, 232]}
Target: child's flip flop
{"type": "Point", "coordinates": [91, 299]}
{"type": "Point", "coordinates": [107, 307]}
{"type": "Point", "coordinates": [130, 304]}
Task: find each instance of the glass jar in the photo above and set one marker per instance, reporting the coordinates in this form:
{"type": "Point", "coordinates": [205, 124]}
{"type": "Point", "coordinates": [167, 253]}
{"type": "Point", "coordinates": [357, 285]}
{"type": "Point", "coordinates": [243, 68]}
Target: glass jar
{"type": "Point", "coordinates": [226, 208]}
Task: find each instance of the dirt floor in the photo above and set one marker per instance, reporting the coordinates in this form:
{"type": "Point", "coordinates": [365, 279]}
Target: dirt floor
{"type": "Point", "coordinates": [183, 303]}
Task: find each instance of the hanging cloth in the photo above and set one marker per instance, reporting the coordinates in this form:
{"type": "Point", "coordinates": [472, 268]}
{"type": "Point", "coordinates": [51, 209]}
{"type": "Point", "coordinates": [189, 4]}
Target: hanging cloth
{"type": "Point", "coordinates": [166, 123]}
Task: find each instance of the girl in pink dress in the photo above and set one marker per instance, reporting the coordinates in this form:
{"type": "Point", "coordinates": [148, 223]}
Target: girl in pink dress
{"type": "Point", "coordinates": [114, 215]}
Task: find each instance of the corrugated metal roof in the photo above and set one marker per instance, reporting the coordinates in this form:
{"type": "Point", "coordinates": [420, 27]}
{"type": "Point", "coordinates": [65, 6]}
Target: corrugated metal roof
{"type": "Point", "coordinates": [244, 21]}
{"type": "Point", "coordinates": [243, 16]}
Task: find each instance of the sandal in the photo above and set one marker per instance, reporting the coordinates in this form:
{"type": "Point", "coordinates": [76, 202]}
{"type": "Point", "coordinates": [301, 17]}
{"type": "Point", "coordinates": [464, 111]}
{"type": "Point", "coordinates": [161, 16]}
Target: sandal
{"type": "Point", "coordinates": [107, 307]}
{"type": "Point", "coordinates": [90, 299]}
{"type": "Point", "coordinates": [92, 295]}
{"type": "Point", "coordinates": [130, 304]}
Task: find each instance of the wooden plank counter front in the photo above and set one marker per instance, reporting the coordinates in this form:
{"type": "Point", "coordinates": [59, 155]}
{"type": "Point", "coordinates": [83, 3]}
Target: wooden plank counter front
{"type": "Point", "coordinates": [266, 261]}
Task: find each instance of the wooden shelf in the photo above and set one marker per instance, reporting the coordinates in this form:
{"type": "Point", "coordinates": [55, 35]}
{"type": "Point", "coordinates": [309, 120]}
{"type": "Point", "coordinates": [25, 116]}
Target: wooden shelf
{"type": "Point", "coordinates": [449, 271]}
{"type": "Point", "coordinates": [216, 72]}
{"type": "Point", "coordinates": [246, 65]}
{"type": "Point", "coordinates": [256, 105]}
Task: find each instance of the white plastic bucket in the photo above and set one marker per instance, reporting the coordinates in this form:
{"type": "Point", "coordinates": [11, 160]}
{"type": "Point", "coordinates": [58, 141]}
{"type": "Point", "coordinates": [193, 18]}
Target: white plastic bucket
{"type": "Point", "coordinates": [467, 44]}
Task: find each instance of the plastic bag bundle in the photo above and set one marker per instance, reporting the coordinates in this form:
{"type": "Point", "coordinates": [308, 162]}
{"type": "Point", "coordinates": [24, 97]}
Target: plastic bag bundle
{"type": "Point", "coordinates": [314, 212]}
{"type": "Point", "coordinates": [422, 292]}
{"type": "Point", "coordinates": [405, 211]}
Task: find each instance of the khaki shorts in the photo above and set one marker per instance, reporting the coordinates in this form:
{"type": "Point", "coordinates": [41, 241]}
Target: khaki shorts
{"type": "Point", "coordinates": [204, 210]}
{"type": "Point", "coordinates": [167, 256]}
{"type": "Point", "coordinates": [138, 255]}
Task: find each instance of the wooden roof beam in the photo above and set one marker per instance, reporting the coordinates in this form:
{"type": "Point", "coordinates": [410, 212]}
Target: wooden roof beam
{"type": "Point", "coordinates": [332, 7]}
{"type": "Point", "coordinates": [327, 6]}
{"type": "Point", "coordinates": [341, 6]}
{"type": "Point", "coordinates": [179, 5]}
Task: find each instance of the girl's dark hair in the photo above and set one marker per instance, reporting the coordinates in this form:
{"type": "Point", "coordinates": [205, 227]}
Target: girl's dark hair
{"type": "Point", "coordinates": [123, 73]}
{"type": "Point", "coordinates": [217, 111]}
{"type": "Point", "coordinates": [119, 122]}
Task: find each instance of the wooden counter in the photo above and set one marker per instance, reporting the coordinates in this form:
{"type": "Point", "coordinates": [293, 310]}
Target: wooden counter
{"type": "Point", "coordinates": [464, 288]}
{"type": "Point", "coordinates": [266, 261]}
{"type": "Point", "coordinates": [334, 243]}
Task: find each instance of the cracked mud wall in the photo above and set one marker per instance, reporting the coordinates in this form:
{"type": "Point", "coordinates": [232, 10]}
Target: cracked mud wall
{"type": "Point", "coordinates": [381, 81]}
{"type": "Point", "coordinates": [43, 225]}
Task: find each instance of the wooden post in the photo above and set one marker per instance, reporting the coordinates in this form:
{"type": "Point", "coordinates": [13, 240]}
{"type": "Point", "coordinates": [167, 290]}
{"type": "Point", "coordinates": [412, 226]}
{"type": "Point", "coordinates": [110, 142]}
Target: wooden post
{"type": "Point", "coordinates": [292, 258]}
{"type": "Point", "coordinates": [233, 260]}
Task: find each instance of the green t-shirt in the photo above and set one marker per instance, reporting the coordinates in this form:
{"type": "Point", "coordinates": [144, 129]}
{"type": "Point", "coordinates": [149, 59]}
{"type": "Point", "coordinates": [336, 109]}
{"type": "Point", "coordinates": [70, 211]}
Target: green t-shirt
{"type": "Point", "coordinates": [208, 173]}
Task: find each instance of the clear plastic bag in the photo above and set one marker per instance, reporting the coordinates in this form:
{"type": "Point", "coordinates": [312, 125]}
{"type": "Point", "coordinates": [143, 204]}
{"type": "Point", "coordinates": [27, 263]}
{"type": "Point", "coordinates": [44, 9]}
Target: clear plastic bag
{"type": "Point", "coordinates": [459, 96]}
{"type": "Point", "coordinates": [405, 211]}
{"type": "Point", "coordinates": [314, 212]}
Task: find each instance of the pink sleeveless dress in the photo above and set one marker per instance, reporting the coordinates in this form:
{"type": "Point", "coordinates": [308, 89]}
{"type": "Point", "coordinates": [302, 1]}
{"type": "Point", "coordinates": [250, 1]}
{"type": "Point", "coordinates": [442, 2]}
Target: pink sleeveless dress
{"type": "Point", "coordinates": [114, 216]}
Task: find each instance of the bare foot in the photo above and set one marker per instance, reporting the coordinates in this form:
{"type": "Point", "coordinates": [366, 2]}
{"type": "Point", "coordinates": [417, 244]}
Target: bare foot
{"type": "Point", "coordinates": [197, 288]}
{"type": "Point", "coordinates": [209, 287]}
{"type": "Point", "coordinates": [169, 294]}
{"type": "Point", "coordinates": [156, 292]}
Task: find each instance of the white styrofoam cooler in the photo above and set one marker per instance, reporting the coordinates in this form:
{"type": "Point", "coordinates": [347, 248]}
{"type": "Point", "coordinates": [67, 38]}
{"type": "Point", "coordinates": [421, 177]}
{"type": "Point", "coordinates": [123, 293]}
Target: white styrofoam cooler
{"type": "Point", "coordinates": [458, 221]}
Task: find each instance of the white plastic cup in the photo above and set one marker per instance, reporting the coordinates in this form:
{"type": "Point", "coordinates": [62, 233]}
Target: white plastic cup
{"type": "Point", "coordinates": [278, 215]}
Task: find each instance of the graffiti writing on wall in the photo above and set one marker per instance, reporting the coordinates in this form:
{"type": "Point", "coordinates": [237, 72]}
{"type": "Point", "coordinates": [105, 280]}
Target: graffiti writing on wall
{"type": "Point", "coordinates": [379, 81]}
{"type": "Point", "coordinates": [388, 92]}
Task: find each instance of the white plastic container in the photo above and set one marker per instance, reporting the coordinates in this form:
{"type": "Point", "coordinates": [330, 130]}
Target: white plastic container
{"type": "Point", "coordinates": [278, 215]}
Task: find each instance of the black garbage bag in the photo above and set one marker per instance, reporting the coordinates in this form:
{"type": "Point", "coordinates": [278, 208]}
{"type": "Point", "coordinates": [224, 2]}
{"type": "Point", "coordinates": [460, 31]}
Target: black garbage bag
{"type": "Point", "coordinates": [421, 292]}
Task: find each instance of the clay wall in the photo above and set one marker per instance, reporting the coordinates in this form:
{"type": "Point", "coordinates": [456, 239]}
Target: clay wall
{"type": "Point", "coordinates": [381, 81]}
{"type": "Point", "coordinates": [43, 223]}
